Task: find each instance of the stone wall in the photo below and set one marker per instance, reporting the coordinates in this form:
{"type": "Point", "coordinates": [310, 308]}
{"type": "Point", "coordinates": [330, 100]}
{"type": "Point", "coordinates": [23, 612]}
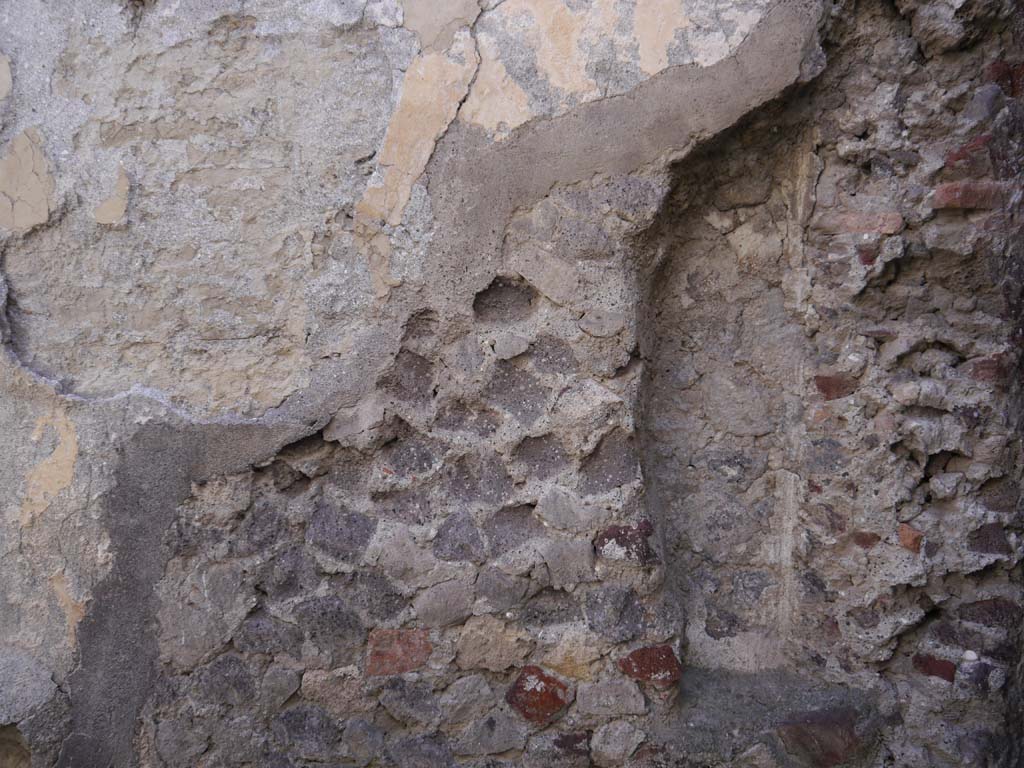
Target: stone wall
{"type": "Point", "coordinates": [521, 383]}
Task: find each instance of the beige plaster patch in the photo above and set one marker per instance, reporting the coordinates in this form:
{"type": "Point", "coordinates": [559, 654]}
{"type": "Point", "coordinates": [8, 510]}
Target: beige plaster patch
{"type": "Point", "coordinates": [435, 22]}
{"type": "Point", "coordinates": [53, 474]}
{"type": "Point", "coordinates": [496, 102]}
{"type": "Point", "coordinates": [555, 34]}
{"type": "Point", "coordinates": [434, 86]}
{"type": "Point", "coordinates": [655, 24]}
{"type": "Point", "coordinates": [26, 186]}
{"type": "Point", "coordinates": [74, 610]}
{"type": "Point", "coordinates": [111, 210]}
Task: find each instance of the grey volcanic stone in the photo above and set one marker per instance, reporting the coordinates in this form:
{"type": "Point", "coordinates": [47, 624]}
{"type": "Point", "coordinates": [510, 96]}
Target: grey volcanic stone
{"type": "Point", "coordinates": [614, 742]}
{"type": "Point", "coordinates": [309, 731]}
{"type": "Point", "coordinates": [340, 534]}
{"type": "Point", "coordinates": [446, 603]}
{"type": "Point", "coordinates": [495, 732]}
{"type": "Point", "coordinates": [614, 613]}
{"type": "Point", "coordinates": [332, 626]}
{"type": "Point", "coordinates": [610, 698]}
{"type": "Point", "coordinates": [411, 702]}
{"type": "Point", "coordinates": [421, 752]}
{"type": "Point", "coordinates": [459, 539]}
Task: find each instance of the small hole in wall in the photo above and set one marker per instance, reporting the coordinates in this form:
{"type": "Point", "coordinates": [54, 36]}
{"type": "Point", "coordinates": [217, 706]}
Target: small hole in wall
{"type": "Point", "coordinates": [505, 300]}
{"type": "Point", "coordinates": [14, 752]}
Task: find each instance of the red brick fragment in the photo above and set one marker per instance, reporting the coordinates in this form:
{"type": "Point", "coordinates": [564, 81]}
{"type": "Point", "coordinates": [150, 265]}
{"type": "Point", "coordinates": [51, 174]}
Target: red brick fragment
{"type": "Point", "coordinates": [935, 667]}
{"type": "Point", "coordinates": [394, 651]}
{"type": "Point", "coordinates": [830, 628]}
{"type": "Point", "coordinates": [879, 332]}
{"type": "Point", "coordinates": [866, 254]}
{"type": "Point", "coordinates": [833, 387]}
{"type": "Point", "coordinates": [538, 696]}
{"type": "Point", "coordinates": [968, 195]}
{"type": "Point", "coordinates": [865, 539]}
{"type": "Point", "coordinates": [992, 369]}
{"type": "Point", "coordinates": [910, 537]}
{"type": "Point", "coordinates": [655, 664]}
{"type": "Point", "coordinates": [1009, 77]}
{"type": "Point", "coordinates": [969, 148]}
{"type": "Point", "coordinates": [860, 223]}
{"type": "Point", "coordinates": [626, 542]}
{"type": "Point", "coordinates": [823, 738]}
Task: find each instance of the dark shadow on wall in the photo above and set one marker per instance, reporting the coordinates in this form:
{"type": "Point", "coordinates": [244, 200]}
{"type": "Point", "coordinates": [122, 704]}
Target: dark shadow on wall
{"type": "Point", "coordinates": [14, 752]}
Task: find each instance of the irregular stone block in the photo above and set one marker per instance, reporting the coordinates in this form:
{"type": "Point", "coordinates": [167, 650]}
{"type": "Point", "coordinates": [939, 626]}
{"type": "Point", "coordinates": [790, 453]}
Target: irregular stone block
{"type": "Point", "coordinates": [421, 752]}
{"type": "Point", "coordinates": [550, 354]}
{"type": "Point", "coordinates": [610, 698]}
{"type": "Point", "coordinates": [226, 680]}
{"type": "Point", "coordinates": [615, 613]}
{"type": "Point", "coordinates": [446, 603]}
{"type": "Point", "coordinates": [613, 743]}
{"type": "Point", "coordinates": [496, 732]}
{"type": "Point", "coordinates": [562, 509]}
{"type": "Point", "coordinates": [410, 379]}
{"type": "Point", "coordinates": [602, 323]}
{"type": "Point", "coordinates": [410, 702]}
{"type": "Point", "coordinates": [373, 596]}
{"type": "Point", "coordinates": [859, 223]}
{"type": "Point", "coordinates": [363, 742]}
{"type": "Point", "coordinates": [612, 464]}
{"type": "Point", "coordinates": [332, 627]}
{"type": "Point", "coordinates": [517, 392]}
{"type": "Point", "coordinates": [569, 562]}
{"type": "Point", "coordinates": [555, 278]}
{"type": "Point", "coordinates": [340, 691]}
{"type": "Point", "coordinates": [989, 539]}
{"type": "Point", "coordinates": [558, 750]}
{"type": "Point", "coordinates": [308, 731]}
{"type": "Point", "coordinates": [262, 633]}
{"type": "Point", "coordinates": [996, 612]}
{"type": "Point", "coordinates": [459, 540]}
{"type": "Point", "coordinates": [467, 698]}
{"type": "Point", "coordinates": [278, 685]}
{"type": "Point", "coordinates": [499, 592]}
{"type": "Point", "coordinates": [341, 534]}
{"type": "Point", "coordinates": [479, 479]}
{"type": "Point", "coordinates": [510, 528]}
{"type": "Point", "coordinates": [542, 457]}
{"type": "Point", "coordinates": [487, 643]}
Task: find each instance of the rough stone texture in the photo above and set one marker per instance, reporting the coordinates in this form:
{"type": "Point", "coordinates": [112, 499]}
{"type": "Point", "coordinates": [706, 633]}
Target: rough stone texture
{"type": "Point", "coordinates": [511, 383]}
